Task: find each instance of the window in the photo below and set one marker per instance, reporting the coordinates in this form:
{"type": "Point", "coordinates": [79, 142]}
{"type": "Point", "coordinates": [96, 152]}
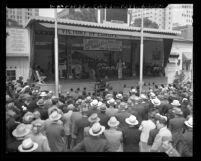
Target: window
{"type": "Point", "coordinates": [11, 74]}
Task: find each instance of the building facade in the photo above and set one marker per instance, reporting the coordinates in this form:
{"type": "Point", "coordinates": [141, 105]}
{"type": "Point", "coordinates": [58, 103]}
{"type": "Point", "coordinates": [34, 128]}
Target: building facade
{"type": "Point", "coordinates": [167, 18]}
{"type": "Point", "coordinates": [21, 15]}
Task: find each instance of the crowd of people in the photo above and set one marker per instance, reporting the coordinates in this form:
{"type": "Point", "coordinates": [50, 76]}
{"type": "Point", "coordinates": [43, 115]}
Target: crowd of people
{"type": "Point", "coordinates": [159, 119]}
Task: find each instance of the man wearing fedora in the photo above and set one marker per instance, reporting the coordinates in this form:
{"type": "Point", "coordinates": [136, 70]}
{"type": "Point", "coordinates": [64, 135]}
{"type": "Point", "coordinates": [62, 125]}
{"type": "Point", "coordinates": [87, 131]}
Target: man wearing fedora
{"type": "Point", "coordinates": [161, 124]}
{"type": "Point", "coordinates": [131, 135]}
{"type": "Point", "coordinates": [186, 145]}
{"type": "Point", "coordinates": [41, 108]}
{"type": "Point", "coordinates": [37, 137]}
{"type": "Point", "coordinates": [102, 115]}
{"type": "Point", "coordinates": [80, 124]}
{"type": "Point", "coordinates": [68, 110]}
{"type": "Point", "coordinates": [55, 133]}
{"type": "Point", "coordinates": [114, 136]}
{"type": "Point", "coordinates": [94, 142]}
{"type": "Point", "coordinates": [111, 111]}
{"type": "Point", "coordinates": [122, 114]}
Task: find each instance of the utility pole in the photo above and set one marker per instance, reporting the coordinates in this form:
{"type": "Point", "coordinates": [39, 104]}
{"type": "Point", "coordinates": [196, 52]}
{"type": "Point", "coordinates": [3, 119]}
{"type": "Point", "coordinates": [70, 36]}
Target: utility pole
{"type": "Point", "coordinates": [141, 52]}
{"type": "Point", "coordinates": [56, 56]}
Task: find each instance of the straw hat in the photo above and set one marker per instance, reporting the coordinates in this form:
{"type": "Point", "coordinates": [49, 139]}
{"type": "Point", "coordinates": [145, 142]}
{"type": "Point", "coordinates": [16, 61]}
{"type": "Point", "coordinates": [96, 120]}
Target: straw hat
{"type": "Point", "coordinates": [113, 122]}
{"type": "Point", "coordinates": [43, 94]}
{"type": "Point", "coordinates": [28, 117]}
{"type": "Point", "coordinates": [96, 129]}
{"type": "Point", "coordinates": [152, 95]}
{"type": "Point", "coordinates": [189, 122]}
{"type": "Point", "coordinates": [111, 101]}
{"type": "Point", "coordinates": [175, 103]}
{"type": "Point", "coordinates": [94, 103]}
{"type": "Point", "coordinates": [28, 146]}
{"type": "Point", "coordinates": [177, 111]}
{"type": "Point", "coordinates": [54, 116]}
{"type": "Point", "coordinates": [88, 99]}
{"type": "Point", "coordinates": [94, 118]}
{"type": "Point", "coordinates": [131, 120]}
{"type": "Point", "coordinates": [40, 102]}
{"type": "Point", "coordinates": [119, 96]}
{"type": "Point", "coordinates": [156, 101]}
{"type": "Point", "coordinates": [133, 90]}
{"type": "Point", "coordinates": [70, 107]}
{"type": "Point", "coordinates": [143, 96]}
{"type": "Point", "coordinates": [21, 131]}
{"type": "Point", "coordinates": [103, 107]}
{"type": "Point", "coordinates": [123, 105]}
{"type": "Point", "coordinates": [108, 96]}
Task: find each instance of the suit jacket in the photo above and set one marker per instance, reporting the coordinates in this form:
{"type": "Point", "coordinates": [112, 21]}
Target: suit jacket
{"type": "Point", "coordinates": [93, 144]}
{"type": "Point", "coordinates": [79, 128]}
{"type": "Point", "coordinates": [75, 116]}
{"type": "Point", "coordinates": [176, 124]}
{"type": "Point", "coordinates": [131, 139]}
{"type": "Point", "coordinates": [152, 135]}
{"type": "Point", "coordinates": [103, 119]}
{"type": "Point", "coordinates": [186, 148]}
{"type": "Point", "coordinates": [55, 134]}
{"type": "Point", "coordinates": [43, 112]}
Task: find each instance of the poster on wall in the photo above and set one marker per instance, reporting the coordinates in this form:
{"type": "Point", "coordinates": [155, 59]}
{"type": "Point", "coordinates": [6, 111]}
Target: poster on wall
{"type": "Point", "coordinates": [17, 41]}
{"type": "Point", "coordinates": [99, 44]}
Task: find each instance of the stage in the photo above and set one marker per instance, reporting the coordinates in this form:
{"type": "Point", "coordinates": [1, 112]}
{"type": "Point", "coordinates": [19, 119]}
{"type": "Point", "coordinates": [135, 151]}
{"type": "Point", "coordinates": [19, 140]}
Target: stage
{"type": "Point", "coordinates": [66, 85]}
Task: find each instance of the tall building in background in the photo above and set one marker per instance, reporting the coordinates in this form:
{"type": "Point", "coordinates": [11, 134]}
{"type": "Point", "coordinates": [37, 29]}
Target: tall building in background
{"type": "Point", "coordinates": [21, 15]}
{"type": "Point", "coordinates": [167, 18]}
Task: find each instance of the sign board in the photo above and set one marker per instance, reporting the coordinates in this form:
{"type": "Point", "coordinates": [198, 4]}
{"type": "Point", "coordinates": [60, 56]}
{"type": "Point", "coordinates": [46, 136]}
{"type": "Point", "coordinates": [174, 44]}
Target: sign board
{"type": "Point", "coordinates": [17, 41]}
{"type": "Point", "coordinates": [102, 44]}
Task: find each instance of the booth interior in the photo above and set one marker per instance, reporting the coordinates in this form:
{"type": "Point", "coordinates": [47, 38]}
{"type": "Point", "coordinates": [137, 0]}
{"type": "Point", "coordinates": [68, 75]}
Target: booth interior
{"type": "Point", "coordinates": [95, 58]}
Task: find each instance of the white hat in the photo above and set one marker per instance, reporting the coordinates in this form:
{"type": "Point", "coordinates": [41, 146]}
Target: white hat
{"type": "Point", "coordinates": [21, 131]}
{"type": "Point", "coordinates": [94, 103]}
{"type": "Point", "coordinates": [119, 96]}
{"type": "Point", "coordinates": [113, 122]}
{"type": "Point", "coordinates": [143, 96]}
{"type": "Point", "coordinates": [43, 94]}
{"type": "Point", "coordinates": [131, 120]}
{"type": "Point", "coordinates": [28, 146]}
{"type": "Point", "coordinates": [111, 101]}
{"type": "Point", "coordinates": [94, 118]}
{"type": "Point", "coordinates": [152, 94]}
{"type": "Point", "coordinates": [175, 103]}
{"type": "Point", "coordinates": [55, 116]}
{"type": "Point", "coordinates": [189, 122]}
{"type": "Point", "coordinates": [184, 99]}
{"type": "Point", "coordinates": [99, 103]}
{"type": "Point", "coordinates": [96, 129]}
{"type": "Point", "coordinates": [156, 101]}
{"type": "Point", "coordinates": [133, 90]}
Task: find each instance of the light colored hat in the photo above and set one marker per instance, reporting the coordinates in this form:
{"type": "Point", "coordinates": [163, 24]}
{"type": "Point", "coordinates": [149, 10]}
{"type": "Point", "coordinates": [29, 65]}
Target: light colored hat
{"type": "Point", "coordinates": [156, 101]}
{"type": "Point", "coordinates": [70, 107]}
{"type": "Point", "coordinates": [111, 101]}
{"type": "Point", "coordinates": [28, 146]}
{"type": "Point", "coordinates": [43, 94]}
{"type": "Point", "coordinates": [103, 107]}
{"type": "Point", "coordinates": [175, 103]}
{"type": "Point", "coordinates": [131, 120]}
{"type": "Point", "coordinates": [79, 101]}
{"type": "Point", "coordinates": [94, 118]}
{"type": "Point", "coordinates": [189, 122]}
{"type": "Point", "coordinates": [96, 129]}
{"type": "Point", "coordinates": [134, 98]}
{"type": "Point", "coordinates": [88, 98]}
{"type": "Point", "coordinates": [143, 96]}
{"type": "Point", "coordinates": [133, 90]}
{"type": "Point", "coordinates": [94, 103]}
{"type": "Point", "coordinates": [108, 96]}
{"type": "Point", "coordinates": [119, 96]}
{"type": "Point", "coordinates": [54, 116]}
{"type": "Point", "coordinates": [40, 102]}
{"type": "Point", "coordinates": [28, 117]}
{"type": "Point", "coordinates": [177, 111]}
{"type": "Point", "coordinates": [113, 122]}
{"type": "Point", "coordinates": [184, 99]}
{"type": "Point", "coordinates": [123, 105]}
{"type": "Point", "coordinates": [100, 103]}
{"type": "Point", "coordinates": [152, 95]}
{"type": "Point", "coordinates": [21, 131]}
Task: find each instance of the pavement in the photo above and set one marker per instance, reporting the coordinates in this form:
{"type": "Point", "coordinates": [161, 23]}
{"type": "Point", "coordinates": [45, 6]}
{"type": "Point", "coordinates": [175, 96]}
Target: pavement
{"type": "Point", "coordinates": [66, 85]}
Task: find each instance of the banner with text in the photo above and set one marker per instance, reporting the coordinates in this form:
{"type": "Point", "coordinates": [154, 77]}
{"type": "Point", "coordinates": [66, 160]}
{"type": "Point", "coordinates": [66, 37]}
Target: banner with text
{"type": "Point", "coordinates": [17, 41]}
{"type": "Point", "coordinates": [102, 44]}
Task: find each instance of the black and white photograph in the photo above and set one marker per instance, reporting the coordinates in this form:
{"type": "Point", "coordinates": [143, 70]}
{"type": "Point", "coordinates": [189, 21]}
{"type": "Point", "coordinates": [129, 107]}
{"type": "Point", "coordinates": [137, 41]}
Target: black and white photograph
{"type": "Point", "coordinates": [100, 80]}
